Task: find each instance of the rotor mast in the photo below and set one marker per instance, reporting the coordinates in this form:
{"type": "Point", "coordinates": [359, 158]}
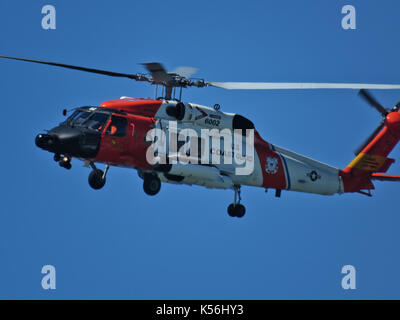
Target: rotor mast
{"type": "Point", "coordinates": [168, 92]}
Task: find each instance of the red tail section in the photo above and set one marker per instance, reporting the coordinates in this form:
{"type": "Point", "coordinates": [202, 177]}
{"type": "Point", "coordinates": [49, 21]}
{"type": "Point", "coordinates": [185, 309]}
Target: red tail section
{"type": "Point", "coordinates": [373, 158]}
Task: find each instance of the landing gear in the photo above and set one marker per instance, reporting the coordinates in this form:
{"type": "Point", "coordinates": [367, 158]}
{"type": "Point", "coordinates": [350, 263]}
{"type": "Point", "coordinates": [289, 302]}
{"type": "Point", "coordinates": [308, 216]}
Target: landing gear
{"type": "Point", "coordinates": [151, 184]}
{"type": "Point", "coordinates": [97, 178]}
{"type": "Point", "coordinates": [236, 209]}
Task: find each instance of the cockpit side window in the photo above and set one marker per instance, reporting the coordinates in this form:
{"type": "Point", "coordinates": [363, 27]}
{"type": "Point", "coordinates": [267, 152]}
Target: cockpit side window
{"type": "Point", "coordinates": [117, 127]}
{"type": "Point", "coordinates": [97, 121]}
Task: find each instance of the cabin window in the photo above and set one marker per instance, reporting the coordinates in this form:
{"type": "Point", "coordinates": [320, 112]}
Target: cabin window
{"type": "Point", "coordinates": [117, 127]}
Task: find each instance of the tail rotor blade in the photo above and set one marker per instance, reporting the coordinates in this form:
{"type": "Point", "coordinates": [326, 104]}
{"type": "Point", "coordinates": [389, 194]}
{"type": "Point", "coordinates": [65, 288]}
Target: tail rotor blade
{"type": "Point", "coordinates": [370, 138]}
{"type": "Point", "coordinates": [371, 100]}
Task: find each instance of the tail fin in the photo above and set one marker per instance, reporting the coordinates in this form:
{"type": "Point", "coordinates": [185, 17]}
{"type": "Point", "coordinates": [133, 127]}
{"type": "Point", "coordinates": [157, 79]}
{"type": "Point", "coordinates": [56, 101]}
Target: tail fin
{"type": "Point", "coordinates": [373, 157]}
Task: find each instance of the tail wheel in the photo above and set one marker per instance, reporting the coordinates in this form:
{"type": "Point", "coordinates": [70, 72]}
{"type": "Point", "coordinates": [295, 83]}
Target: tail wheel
{"type": "Point", "coordinates": [151, 184]}
{"type": "Point", "coordinates": [97, 180]}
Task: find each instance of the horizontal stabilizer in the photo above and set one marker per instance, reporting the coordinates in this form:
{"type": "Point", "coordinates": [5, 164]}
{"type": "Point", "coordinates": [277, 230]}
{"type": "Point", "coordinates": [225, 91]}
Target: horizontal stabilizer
{"type": "Point", "coordinates": [384, 177]}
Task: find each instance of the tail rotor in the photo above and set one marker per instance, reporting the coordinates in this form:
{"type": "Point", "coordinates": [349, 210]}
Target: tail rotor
{"type": "Point", "coordinates": [366, 95]}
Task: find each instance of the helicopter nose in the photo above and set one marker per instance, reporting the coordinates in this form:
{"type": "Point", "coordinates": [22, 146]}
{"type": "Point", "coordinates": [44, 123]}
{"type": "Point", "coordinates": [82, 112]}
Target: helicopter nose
{"type": "Point", "coordinates": [61, 140]}
{"type": "Point", "coordinates": [45, 141]}
{"type": "Point", "coordinates": [75, 142]}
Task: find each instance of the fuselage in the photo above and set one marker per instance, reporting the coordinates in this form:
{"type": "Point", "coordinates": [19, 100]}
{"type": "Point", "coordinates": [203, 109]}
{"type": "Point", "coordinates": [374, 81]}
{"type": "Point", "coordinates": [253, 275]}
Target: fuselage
{"type": "Point", "coordinates": [116, 133]}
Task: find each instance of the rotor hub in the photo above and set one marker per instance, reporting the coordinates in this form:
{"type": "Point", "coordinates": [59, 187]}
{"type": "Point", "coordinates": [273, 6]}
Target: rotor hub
{"type": "Point", "coordinates": [392, 122]}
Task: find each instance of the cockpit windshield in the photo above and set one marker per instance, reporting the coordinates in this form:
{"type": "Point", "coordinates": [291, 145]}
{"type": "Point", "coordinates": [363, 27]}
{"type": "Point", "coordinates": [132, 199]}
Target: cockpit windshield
{"type": "Point", "coordinates": [78, 117]}
{"type": "Point", "coordinates": [88, 118]}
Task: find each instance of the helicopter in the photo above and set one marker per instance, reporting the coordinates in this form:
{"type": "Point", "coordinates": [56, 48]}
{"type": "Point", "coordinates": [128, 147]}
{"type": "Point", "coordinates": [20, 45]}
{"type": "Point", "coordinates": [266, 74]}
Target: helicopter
{"type": "Point", "coordinates": [152, 137]}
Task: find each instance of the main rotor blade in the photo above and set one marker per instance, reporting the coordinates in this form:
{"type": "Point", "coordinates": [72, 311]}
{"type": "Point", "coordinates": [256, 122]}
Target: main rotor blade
{"type": "Point", "coordinates": [98, 71]}
{"type": "Point", "coordinates": [185, 72]}
{"type": "Point", "coordinates": [158, 72]}
{"type": "Point", "coordinates": [370, 138]}
{"type": "Point", "coordinates": [296, 85]}
{"type": "Point", "coordinates": [371, 100]}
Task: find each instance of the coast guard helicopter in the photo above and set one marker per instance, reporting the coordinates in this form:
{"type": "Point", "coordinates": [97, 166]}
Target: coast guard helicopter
{"type": "Point", "coordinates": [115, 134]}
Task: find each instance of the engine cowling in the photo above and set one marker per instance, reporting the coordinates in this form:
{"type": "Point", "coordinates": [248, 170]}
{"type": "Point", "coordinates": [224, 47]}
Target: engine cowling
{"type": "Point", "coordinates": [204, 116]}
{"type": "Point", "coordinates": [177, 111]}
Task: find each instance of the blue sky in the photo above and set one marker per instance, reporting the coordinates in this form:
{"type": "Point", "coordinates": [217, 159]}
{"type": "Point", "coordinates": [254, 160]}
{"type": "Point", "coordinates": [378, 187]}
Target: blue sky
{"type": "Point", "coordinates": [118, 243]}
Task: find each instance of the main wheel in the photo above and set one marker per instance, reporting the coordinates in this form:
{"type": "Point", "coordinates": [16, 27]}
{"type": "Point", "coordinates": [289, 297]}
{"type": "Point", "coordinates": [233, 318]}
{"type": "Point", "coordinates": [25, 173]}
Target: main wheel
{"type": "Point", "coordinates": [231, 210]}
{"type": "Point", "coordinates": [151, 184]}
{"type": "Point", "coordinates": [236, 211]}
{"type": "Point", "coordinates": [240, 210]}
{"type": "Point", "coordinates": [96, 180]}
